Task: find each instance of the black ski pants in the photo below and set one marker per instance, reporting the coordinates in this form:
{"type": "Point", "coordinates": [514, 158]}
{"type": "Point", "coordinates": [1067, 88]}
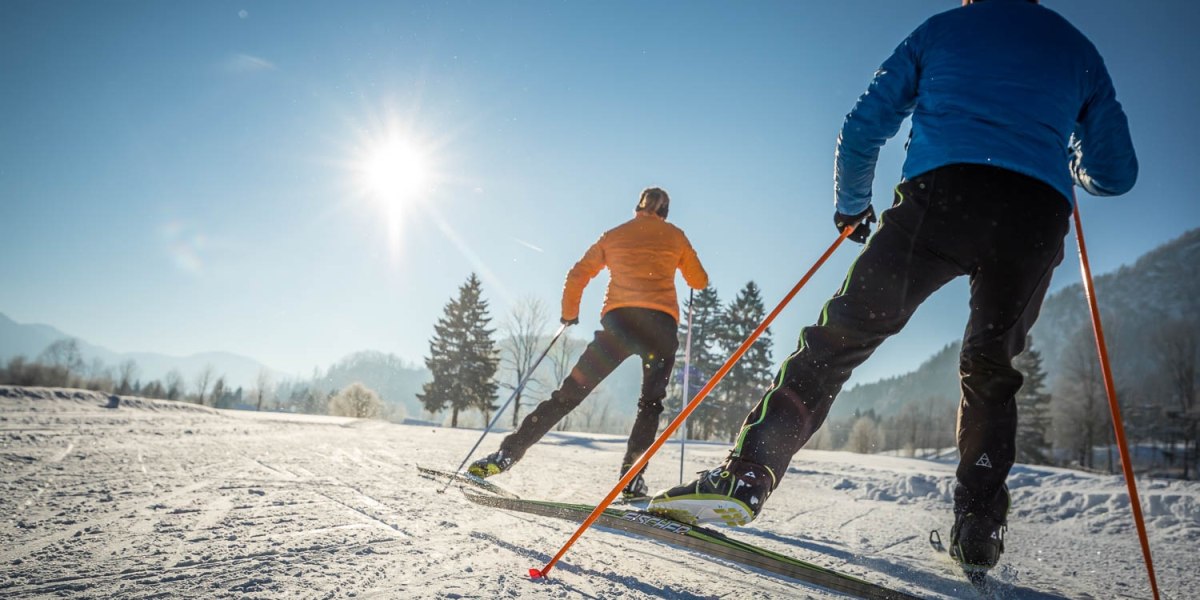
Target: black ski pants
{"type": "Point", "coordinates": [650, 334]}
{"type": "Point", "coordinates": [1001, 229]}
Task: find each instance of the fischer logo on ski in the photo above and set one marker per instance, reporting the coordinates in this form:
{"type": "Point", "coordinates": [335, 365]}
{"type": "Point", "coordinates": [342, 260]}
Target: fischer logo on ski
{"type": "Point", "coordinates": [658, 522]}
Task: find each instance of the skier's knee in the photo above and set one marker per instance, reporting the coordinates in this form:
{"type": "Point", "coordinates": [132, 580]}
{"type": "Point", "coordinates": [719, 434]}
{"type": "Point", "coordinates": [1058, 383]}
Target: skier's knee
{"type": "Point", "coordinates": [654, 407]}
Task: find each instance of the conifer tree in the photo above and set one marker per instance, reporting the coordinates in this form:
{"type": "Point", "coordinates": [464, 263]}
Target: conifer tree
{"type": "Point", "coordinates": [706, 358]}
{"type": "Point", "coordinates": [462, 356]}
{"type": "Point", "coordinates": [751, 375]}
{"type": "Point", "coordinates": [1033, 408]}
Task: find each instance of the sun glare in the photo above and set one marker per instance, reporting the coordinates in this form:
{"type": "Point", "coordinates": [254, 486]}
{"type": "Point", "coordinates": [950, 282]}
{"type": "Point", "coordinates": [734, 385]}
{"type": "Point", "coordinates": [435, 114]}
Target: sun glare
{"type": "Point", "coordinates": [395, 172]}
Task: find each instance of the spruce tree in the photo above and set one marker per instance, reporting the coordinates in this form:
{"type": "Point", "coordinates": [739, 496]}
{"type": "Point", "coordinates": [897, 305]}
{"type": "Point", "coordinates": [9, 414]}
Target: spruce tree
{"type": "Point", "coordinates": [462, 356]}
{"type": "Point", "coordinates": [1033, 408]}
{"type": "Point", "coordinates": [706, 358]}
{"type": "Point", "coordinates": [751, 375]}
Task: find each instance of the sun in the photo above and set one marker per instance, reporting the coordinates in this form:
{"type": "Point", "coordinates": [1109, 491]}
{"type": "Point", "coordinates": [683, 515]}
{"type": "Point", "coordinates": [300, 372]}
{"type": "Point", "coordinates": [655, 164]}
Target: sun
{"type": "Point", "coordinates": [395, 171]}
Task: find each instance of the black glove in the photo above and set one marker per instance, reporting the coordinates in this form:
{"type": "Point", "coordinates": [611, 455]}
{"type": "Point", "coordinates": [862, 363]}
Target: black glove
{"type": "Point", "coordinates": [864, 220]}
{"type": "Point", "coordinates": [566, 321]}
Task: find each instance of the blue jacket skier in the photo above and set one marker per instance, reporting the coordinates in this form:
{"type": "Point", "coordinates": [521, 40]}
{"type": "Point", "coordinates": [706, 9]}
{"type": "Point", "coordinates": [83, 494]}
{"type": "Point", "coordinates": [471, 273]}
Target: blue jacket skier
{"type": "Point", "coordinates": [1011, 107]}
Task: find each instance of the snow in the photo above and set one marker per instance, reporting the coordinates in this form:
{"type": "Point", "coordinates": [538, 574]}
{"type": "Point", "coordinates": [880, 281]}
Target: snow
{"type": "Point", "coordinates": [162, 498]}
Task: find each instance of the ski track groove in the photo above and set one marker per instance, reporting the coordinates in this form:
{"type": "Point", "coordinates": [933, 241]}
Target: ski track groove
{"type": "Point", "coordinates": [51, 585]}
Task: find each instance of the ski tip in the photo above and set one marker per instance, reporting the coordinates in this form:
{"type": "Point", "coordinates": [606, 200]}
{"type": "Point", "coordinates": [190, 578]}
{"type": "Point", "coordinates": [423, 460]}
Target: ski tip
{"type": "Point", "coordinates": [536, 574]}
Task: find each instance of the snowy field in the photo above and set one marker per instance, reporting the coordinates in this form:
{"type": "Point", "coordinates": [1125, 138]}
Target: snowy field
{"type": "Point", "coordinates": [161, 499]}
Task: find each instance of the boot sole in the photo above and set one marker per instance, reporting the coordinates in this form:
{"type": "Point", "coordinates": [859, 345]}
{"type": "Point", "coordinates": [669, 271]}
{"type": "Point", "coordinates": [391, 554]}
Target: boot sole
{"type": "Point", "coordinates": [719, 510]}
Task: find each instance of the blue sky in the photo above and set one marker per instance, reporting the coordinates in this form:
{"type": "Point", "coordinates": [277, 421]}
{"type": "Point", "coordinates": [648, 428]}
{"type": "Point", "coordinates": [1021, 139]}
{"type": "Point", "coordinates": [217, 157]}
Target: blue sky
{"type": "Point", "coordinates": [184, 177]}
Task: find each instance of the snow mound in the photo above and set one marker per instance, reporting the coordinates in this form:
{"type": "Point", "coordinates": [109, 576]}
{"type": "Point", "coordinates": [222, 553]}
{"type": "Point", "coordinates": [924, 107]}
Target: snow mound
{"type": "Point", "coordinates": [60, 398]}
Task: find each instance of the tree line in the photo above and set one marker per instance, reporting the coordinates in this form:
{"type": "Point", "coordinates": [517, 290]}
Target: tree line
{"type": "Point", "coordinates": [1068, 423]}
{"type": "Point", "coordinates": [471, 370]}
{"type": "Point", "coordinates": [62, 364]}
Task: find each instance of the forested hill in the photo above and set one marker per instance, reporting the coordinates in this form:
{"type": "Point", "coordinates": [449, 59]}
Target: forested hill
{"type": "Point", "coordinates": [936, 378]}
{"type": "Point", "coordinates": [1140, 303]}
{"type": "Point", "coordinates": [1159, 294]}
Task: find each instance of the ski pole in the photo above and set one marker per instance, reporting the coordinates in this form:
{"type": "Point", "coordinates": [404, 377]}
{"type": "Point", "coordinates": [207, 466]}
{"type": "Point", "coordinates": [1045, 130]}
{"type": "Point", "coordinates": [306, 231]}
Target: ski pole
{"type": "Point", "coordinates": [1114, 407]}
{"type": "Point", "coordinates": [683, 415]}
{"type": "Point", "coordinates": [687, 369]}
{"type": "Point", "coordinates": [520, 385]}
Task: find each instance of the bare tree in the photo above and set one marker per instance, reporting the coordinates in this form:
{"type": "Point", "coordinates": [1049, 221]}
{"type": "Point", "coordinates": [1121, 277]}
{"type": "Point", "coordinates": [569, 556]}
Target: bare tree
{"type": "Point", "coordinates": [562, 359]}
{"type": "Point", "coordinates": [906, 428]}
{"type": "Point", "coordinates": [939, 424]}
{"type": "Point", "coordinates": [356, 401]}
{"type": "Point", "coordinates": [63, 353]}
{"type": "Point", "coordinates": [218, 393]}
{"type": "Point", "coordinates": [65, 361]}
{"type": "Point", "coordinates": [127, 373]}
{"type": "Point", "coordinates": [261, 388]}
{"type": "Point", "coordinates": [174, 384]}
{"type": "Point", "coordinates": [203, 380]}
{"type": "Point", "coordinates": [822, 439]}
{"type": "Point", "coordinates": [1080, 411]}
{"type": "Point", "coordinates": [99, 376]}
{"type": "Point", "coordinates": [1177, 350]}
{"type": "Point", "coordinates": [865, 436]}
{"type": "Point", "coordinates": [522, 333]}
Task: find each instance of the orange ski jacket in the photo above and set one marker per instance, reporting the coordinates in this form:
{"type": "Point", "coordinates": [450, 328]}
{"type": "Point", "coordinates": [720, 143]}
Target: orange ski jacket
{"type": "Point", "coordinates": [642, 255]}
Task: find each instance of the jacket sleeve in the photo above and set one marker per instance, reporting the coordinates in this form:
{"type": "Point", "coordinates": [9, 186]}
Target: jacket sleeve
{"type": "Point", "coordinates": [689, 264]}
{"type": "Point", "coordinates": [578, 277]}
{"type": "Point", "coordinates": [875, 118]}
{"type": "Point", "coordinates": [1103, 161]}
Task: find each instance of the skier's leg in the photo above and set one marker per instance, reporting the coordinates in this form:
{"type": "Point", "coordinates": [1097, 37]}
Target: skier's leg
{"type": "Point", "coordinates": [1007, 289]}
{"type": "Point", "coordinates": [896, 271]}
{"type": "Point", "coordinates": [893, 275]}
{"type": "Point", "coordinates": [603, 354]}
{"type": "Point", "coordinates": [656, 340]}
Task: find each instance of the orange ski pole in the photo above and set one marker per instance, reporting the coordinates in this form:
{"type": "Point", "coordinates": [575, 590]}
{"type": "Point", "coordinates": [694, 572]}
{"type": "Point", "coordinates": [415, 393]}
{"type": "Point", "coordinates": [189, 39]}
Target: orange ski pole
{"type": "Point", "coordinates": [1114, 407]}
{"type": "Point", "coordinates": [683, 415]}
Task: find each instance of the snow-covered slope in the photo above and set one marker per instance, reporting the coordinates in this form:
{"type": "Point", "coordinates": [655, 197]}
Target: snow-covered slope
{"type": "Point", "coordinates": [158, 498]}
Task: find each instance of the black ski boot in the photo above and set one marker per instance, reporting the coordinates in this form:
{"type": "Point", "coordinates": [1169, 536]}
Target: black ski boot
{"type": "Point", "coordinates": [977, 537]}
{"type": "Point", "coordinates": [731, 494]}
{"type": "Point", "coordinates": [492, 464]}
{"type": "Point", "coordinates": [637, 489]}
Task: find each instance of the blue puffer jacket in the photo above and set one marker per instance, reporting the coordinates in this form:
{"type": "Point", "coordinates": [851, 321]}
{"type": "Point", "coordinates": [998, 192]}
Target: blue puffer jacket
{"type": "Point", "coordinates": [1003, 82]}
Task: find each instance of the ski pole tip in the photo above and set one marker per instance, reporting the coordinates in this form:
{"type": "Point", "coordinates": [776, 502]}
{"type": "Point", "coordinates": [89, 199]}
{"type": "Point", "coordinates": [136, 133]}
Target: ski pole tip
{"type": "Point", "coordinates": [536, 574]}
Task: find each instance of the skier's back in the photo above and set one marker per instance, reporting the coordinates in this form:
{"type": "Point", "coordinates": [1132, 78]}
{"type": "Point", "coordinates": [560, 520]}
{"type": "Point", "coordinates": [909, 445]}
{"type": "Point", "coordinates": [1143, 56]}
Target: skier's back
{"type": "Point", "coordinates": [640, 316]}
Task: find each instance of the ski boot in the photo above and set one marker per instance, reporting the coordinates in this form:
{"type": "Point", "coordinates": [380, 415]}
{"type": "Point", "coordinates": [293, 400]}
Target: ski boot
{"type": "Point", "coordinates": [492, 464]}
{"type": "Point", "coordinates": [637, 488]}
{"type": "Point", "coordinates": [731, 494]}
{"type": "Point", "coordinates": [977, 537]}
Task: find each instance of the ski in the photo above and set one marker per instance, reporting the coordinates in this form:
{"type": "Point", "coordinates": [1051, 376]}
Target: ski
{"type": "Point", "coordinates": [701, 540]}
{"type": "Point", "coordinates": [465, 478]}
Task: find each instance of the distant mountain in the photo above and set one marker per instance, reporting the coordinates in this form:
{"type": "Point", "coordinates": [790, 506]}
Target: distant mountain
{"type": "Point", "coordinates": [391, 377]}
{"type": "Point", "coordinates": [29, 340]}
{"type": "Point", "coordinates": [1134, 302]}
